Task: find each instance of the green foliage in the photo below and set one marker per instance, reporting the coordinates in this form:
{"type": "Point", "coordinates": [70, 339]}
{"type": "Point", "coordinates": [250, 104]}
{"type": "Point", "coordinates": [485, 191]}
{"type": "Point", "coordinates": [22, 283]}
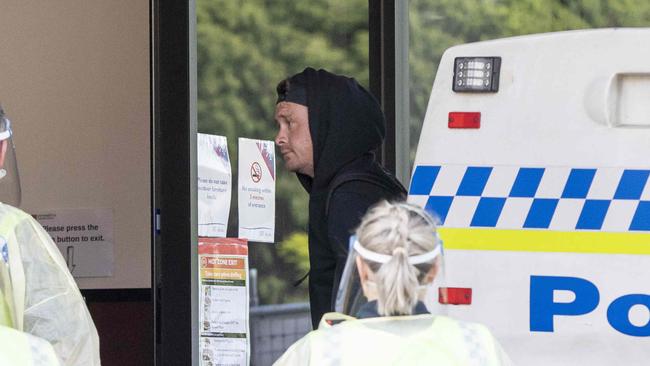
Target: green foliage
{"type": "Point", "coordinates": [281, 266]}
{"type": "Point", "coordinates": [245, 47]}
{"type": "Point", "coordinates": [294, 251]}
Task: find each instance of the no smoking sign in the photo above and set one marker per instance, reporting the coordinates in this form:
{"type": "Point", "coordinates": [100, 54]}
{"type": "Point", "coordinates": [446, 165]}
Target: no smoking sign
{"type": "Point", "coordinates": [256, 172]}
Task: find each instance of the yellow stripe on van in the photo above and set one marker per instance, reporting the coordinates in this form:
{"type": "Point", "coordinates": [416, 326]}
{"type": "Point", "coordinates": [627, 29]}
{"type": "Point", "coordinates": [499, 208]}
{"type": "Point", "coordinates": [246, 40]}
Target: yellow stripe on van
{"type": "Point", "coordinates": [546, 241]}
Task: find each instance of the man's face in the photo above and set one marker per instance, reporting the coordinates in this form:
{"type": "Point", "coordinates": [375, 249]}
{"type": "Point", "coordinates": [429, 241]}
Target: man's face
{"type": "Point", "coordinates": [294, 139]}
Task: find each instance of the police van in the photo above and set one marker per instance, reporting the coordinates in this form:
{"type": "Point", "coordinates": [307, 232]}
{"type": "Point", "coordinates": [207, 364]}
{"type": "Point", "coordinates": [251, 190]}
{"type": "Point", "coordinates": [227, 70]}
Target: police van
{"type": "Point", "coordinates": [535, 157]}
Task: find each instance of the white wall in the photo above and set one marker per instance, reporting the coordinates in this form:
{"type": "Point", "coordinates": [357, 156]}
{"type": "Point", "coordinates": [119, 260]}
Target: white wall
{"type": "Point", "coordinates": [74, 79]}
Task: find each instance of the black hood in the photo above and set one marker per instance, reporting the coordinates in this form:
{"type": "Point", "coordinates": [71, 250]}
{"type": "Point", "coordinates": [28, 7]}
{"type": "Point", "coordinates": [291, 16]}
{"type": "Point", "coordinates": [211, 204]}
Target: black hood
{"type": "Point", "coordinates": [345, 122]}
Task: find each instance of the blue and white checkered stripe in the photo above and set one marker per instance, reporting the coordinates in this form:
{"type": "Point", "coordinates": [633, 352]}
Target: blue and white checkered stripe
{"type": "Point", "coordinates": [554, 198]}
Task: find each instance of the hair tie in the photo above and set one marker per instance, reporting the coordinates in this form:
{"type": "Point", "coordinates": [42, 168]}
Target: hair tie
{"type": "Point", "coordinates": [400, 249]}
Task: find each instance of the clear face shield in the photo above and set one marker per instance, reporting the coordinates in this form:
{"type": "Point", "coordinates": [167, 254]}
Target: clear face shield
{"type": "Point", "coordinates": [350, 296]}
{"type": "Point", "coordinates": [10, 192]}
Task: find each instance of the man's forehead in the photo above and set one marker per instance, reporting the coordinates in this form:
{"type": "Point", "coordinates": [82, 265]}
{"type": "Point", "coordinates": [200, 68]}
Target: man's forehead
{"type": "Point", "coordinates": [286, 109]}
{"type": "Point", "coordinates": [283, 109]}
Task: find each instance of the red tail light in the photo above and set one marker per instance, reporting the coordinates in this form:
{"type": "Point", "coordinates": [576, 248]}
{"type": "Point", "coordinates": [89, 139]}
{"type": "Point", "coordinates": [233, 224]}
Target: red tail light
{"type": "Point", "coordinates": [455, 295]}
{"type": "Point", "coordinates": [464, 120]}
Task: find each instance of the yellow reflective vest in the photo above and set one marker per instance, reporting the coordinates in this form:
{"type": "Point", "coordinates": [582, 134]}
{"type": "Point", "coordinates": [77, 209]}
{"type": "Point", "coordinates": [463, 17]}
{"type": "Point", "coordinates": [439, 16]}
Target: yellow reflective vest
{"type": "Point", "coordinates": [7, 314]}
{"type": "Point", "coordinates": [22, 349]}
{"type": "Point", "coordinates": [400, 340]}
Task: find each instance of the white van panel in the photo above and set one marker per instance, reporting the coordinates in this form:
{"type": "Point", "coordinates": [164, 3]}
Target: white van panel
{"type": "Point", "coordinates": [553, 189]}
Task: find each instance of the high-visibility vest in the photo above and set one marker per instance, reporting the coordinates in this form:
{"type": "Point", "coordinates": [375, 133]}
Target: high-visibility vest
{"type": "Point", "coordinates": [22, 349]}
{"type": "Point", "coordinates": [400, 340]}
{"type": "Point", "coordinates": [6, 316]}
{"type": "Point", "coordinates": [39, 295]}
{"type": "Point", "coordinates": [7, 304]}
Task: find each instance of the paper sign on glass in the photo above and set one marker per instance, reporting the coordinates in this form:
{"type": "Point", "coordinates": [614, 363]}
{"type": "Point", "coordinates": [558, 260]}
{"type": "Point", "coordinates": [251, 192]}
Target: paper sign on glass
{"type": "Point", "coordinates": [256, 190]}
{"type": "Point", "coordinates": [223, 302]}
{"type": "Point", "coordinates": [214, 185]}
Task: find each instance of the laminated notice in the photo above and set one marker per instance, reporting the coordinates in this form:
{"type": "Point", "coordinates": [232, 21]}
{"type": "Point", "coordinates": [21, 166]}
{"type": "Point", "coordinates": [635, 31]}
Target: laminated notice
{"type": "Point", "coordinates": [256, 190]}
{"type": "Point", "coordinates": [84, 237]}
{"type": "Point", "coordinates": [214, 185]}
{"type": "Point", "coordinates": [223, 301]}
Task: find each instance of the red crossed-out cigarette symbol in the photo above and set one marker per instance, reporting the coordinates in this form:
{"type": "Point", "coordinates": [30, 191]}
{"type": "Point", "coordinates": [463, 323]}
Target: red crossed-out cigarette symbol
{"type": "Point", "coordinates": [256, 172]}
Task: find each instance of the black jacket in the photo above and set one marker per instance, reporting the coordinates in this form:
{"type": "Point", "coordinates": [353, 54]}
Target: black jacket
{"type": "Point", "coordinates": [347, 126]}
{"type": "Point", "coordinates": [369, 310]}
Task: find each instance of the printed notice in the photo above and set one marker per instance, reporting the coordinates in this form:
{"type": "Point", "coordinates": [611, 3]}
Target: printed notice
{"type": "Point", "coordinates": [214, 185]}
{"type": "Point", "coordinates": [223, 300]}
{"type": "Point", "coordinates": [256, 190]}
{"type": "Point", "coordinates": [84, 237]}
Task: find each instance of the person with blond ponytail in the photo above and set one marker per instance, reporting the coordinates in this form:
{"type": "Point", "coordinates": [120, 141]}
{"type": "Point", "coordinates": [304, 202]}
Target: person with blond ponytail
{"type": "Point", "coordinates": [397, 255]}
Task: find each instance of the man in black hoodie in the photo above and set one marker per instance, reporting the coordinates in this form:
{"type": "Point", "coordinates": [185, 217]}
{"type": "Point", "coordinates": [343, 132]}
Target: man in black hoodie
{"type": "Point", "coordinates": [329, 128]}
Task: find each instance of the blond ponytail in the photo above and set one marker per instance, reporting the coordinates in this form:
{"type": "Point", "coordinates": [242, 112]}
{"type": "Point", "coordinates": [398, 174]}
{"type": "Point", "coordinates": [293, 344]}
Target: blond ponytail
{"type": "Point", "coordinates": [398, 230]}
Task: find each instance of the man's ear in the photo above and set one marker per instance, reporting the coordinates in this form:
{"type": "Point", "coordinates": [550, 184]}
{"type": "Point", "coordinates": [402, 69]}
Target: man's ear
{"type": "Point", "coordinates": [431, 275]}
{"type": "Point", "coordinates": [3, 152]}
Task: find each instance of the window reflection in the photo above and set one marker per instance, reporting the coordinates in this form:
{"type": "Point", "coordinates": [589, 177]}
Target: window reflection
{"type": "Point", "coordinates": [244, 49]}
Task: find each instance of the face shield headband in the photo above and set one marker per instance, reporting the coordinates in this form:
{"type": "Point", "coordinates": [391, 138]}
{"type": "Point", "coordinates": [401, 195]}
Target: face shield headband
{"type": "Point", "coordinates": [384, 258]}
{"type": "Point", "coordinates": [350, 297]}
{"type": "Point", "coordinates": [413, 260]}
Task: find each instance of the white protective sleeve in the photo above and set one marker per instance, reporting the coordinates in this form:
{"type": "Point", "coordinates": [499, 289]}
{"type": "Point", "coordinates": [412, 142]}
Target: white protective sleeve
{"type": "Point", "coordinates": [21, 349]}
{"type": "Point", "coordinates": [54, 308]}
{"type": "Point", "coordinates": [297, 354]}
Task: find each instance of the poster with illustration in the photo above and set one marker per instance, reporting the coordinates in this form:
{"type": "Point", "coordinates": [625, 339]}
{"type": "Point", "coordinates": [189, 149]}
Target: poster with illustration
{"type": "Point", "coordinates": [256, 190]}
{"type": "Point", "coordinates": [214, 185]}
{"type": "Point", "coordinates": [224, 334]}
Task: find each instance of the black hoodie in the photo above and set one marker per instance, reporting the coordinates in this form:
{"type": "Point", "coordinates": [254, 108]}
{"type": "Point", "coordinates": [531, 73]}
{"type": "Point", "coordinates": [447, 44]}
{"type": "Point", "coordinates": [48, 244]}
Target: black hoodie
{"type": "Point", "coordinates": [346, 126]}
